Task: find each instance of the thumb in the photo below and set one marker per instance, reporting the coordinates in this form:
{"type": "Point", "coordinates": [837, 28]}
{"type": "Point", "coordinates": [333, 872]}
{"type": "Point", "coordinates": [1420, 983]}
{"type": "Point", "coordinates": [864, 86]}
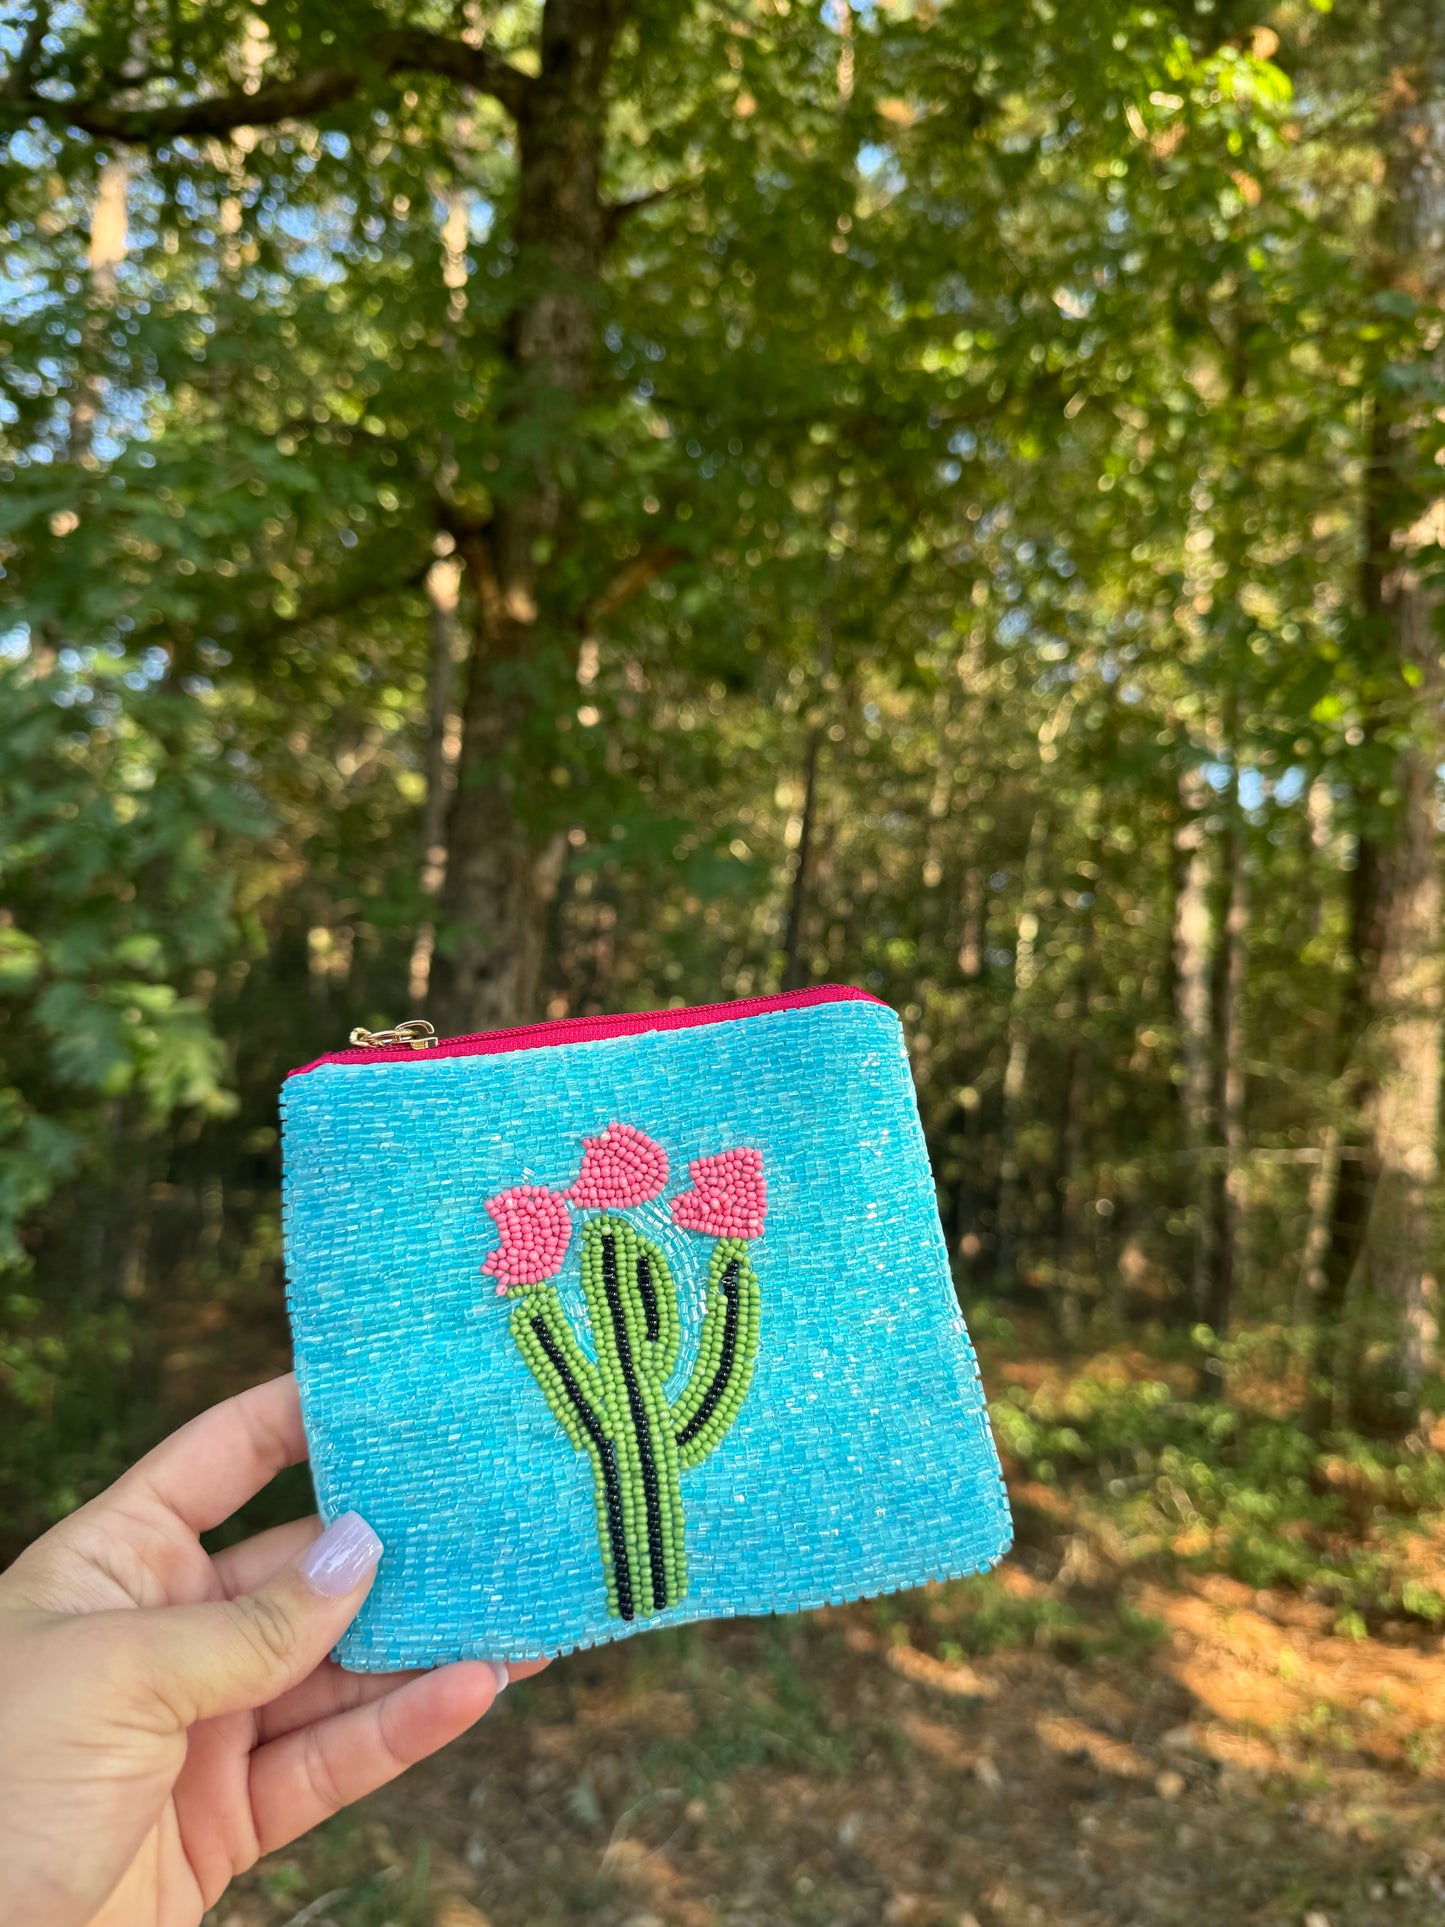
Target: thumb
{"type": "Point", "coordinates": [231, 1655]}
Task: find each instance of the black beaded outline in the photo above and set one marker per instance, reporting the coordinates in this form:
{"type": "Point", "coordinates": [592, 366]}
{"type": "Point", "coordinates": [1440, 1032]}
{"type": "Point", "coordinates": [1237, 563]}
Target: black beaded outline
{"type": "Point", "coordinates": [647, 1465]}
{"type": "Point", "coordinates": [648, 1292]}
{"type": "Point", "coordinates": [607, 1457]}
{"type": "Point", "coordinates": [728, 1285]}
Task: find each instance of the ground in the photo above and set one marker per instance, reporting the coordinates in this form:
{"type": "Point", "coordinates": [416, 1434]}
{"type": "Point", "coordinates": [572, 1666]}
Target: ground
{"type": "Point", "coordinates": [1089, 1738]}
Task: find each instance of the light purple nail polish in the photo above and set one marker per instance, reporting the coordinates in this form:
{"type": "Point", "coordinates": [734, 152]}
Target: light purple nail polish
{"type": "Point", "coordinates": [504, 1678]}
{"type": "Point", "coordinates": [341, 1558]}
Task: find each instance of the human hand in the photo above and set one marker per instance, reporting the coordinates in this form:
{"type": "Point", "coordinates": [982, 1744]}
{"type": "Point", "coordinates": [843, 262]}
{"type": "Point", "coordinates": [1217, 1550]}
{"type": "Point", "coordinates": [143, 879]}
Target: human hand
{"type": "Point", "coordinates": [166, 1717]}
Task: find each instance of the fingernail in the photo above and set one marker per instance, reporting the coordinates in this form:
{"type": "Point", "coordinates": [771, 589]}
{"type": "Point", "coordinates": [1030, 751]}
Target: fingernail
{"type": "Point", "coordinates": [341, 1558]}
{"type": "Point", "coordinates": [504, 1678]}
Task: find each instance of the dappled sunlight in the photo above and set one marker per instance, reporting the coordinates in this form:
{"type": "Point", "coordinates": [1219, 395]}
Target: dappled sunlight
{"type": "Point", "coordinates": [954, 1677]}
{"type": "Point", "coordinates": [647, 1876]}
{"type": "Point", "coordinates": [1286, 1680]}
{"type": "Point", "coordinates": [1078, 1741]}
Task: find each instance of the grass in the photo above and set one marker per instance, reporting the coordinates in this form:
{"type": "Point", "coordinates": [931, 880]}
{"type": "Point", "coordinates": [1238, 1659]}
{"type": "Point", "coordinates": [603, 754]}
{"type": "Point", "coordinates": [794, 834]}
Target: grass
{"type": "Point", "coordinates": [773, 1716]}
{"type": "Point", "coordinates": [338, 1880]}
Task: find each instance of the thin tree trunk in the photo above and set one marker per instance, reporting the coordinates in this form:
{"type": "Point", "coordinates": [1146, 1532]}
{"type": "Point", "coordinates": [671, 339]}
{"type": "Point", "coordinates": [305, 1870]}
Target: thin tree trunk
{"type": "Point", "coordinates": [1226, 1166]}
{"type": "Point", "coordinates": [1223, 1170]}
{"type": "Point", "coordinates": [969, 668]}
{"type": "Point", "coordinates": [934, 909]}
{"type": "Point", "coordinates": [795, 969]}
{"type": "Point", "coordinates": [444, 724]}
{"type": "Point", "coordinates": [1077, 1081]}
{"type": "Point", "coordinates": [442, 744]}
{"type": "Point", "coordinates": [1319, 828]}
{"type": "Point", "coordinates": [1310, 1280]}
{"type": "Point", "coordinates": [103, 257]}
{"type": "Point", "coordinates": [502, 867]}
{"type": "Point", "coordinates": [974, 905]}
{"type": "Point", "coordinates": [1323, 1180]}
{"type": "Point", "coordinates": [1016, 1066]}
{"type": "Point", "coordinates": [1072, 1203]}
{"type": "Point", "coordinates": [1392, 1032]}
{"type": "Point", "coordinates": [1192, 1018]}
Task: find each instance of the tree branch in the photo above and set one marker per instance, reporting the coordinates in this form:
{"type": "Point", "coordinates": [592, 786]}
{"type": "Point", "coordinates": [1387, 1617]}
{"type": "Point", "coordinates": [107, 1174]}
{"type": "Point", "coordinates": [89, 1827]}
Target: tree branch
{"type": "Point", "coordinates": [403, 50]}
{"type": "Point", "coordinates": [616, 212]}
{"type": "Point", "coordinates": [632, 578]}
{"type": "Point", "coordinates": [404, 568]}
{"type": "Point", "coordinates": [415, 50]}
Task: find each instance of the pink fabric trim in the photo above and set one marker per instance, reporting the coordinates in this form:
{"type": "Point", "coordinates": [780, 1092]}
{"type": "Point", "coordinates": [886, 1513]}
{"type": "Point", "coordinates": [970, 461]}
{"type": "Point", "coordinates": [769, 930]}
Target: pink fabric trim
{"type": "Point", "coordinates": [586, 1030]}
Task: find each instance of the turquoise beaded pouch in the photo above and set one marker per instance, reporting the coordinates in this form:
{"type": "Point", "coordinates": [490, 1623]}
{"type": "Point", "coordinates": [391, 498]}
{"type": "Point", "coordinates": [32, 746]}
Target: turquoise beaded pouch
{"type": "Point", "coordinates": [615, 1323]}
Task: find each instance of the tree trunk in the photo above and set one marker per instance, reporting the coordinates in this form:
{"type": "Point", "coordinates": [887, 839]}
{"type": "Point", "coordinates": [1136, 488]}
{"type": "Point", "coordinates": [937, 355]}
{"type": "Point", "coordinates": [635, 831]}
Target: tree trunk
{"type": "Point", "coordinates": [103, 257]}
{"type": "Point", "coordinates": [1072, 1201]}
{"type": "Point", "coordinates": [1381, 1237]}
{"type": "Point", "coordinates": [1222, 1172]}
{"type": "Point", "coordinates": [502, 863]}
{"type": "Point", "coordinates": [442, 744]}
{"type": "Point", "coordinates": [1225, 1167]}
{"type": "Point", "coordinates": [796, 972]}
{"type": "Point", "coordinates": [1310, 1281]}
{"type": "Point", "coordinates": [1380, 1240]}
{"type": "Point", "coordinates": [1016, 1065]}
{"type": "Point", "coordinates": [1192, 1019]}
{"type": "Point", "coordinates": [1319, 815]}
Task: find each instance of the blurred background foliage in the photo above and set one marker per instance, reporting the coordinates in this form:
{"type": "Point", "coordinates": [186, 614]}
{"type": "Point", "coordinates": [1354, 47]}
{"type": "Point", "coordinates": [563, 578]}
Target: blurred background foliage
{"type": "Point", "coordinates": [527, 511]}
{"type": "Point", "coordinates": [513, 512]}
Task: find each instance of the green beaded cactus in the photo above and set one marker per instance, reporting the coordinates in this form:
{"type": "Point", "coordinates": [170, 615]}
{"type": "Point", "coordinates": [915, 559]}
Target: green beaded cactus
{"type": "Point", "coordinates": [614, 1404]}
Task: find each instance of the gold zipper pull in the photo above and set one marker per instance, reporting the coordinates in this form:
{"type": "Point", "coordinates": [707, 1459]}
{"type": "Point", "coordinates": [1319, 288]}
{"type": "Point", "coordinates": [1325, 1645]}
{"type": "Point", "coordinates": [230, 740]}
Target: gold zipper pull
{"type": "Point", "coordinates": [416, 1032]}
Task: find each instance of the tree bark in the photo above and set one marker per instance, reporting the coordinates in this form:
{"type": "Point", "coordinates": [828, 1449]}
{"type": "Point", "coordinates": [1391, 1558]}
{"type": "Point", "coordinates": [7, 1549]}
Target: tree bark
{"type": "Point", "coordinates": [502, 864]}
{"type": "Point", "coordinates": [1381, 1241]}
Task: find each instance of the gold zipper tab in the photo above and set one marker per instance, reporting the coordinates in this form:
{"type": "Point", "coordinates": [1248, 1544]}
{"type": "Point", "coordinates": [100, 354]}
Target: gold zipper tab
{"type": "Point", "coordinates": [416, 1032]}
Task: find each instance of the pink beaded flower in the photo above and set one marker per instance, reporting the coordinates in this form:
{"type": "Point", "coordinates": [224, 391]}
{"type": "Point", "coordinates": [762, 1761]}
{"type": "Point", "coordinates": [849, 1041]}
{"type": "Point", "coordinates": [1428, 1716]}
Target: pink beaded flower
{"type": "Point", "coordinates": [729, 1196]}
{"type": "Point", "coordinates": [620, 1168]}
{"type": "Point", "coordinates": [535, 1226]}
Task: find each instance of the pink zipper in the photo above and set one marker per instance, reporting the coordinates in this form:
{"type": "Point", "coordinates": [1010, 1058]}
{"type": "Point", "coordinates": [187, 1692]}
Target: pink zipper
{"type": "Point", "coordinates": [586, 1030]}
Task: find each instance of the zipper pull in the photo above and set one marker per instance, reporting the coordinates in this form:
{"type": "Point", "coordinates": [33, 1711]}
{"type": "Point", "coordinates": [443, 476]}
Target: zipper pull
{"type": "Point", "coordinates": [416, 1031]}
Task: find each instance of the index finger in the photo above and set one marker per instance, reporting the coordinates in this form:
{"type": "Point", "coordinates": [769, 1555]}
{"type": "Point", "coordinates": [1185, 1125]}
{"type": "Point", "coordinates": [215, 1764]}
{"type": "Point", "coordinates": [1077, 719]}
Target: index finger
{"type": "Point", "coordinates": [211, 1466]}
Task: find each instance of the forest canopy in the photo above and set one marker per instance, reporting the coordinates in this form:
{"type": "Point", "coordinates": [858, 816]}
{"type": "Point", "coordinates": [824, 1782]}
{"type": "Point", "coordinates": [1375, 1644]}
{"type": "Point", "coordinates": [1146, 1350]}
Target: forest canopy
{"type": "Point", "coordinates": [519, 512]}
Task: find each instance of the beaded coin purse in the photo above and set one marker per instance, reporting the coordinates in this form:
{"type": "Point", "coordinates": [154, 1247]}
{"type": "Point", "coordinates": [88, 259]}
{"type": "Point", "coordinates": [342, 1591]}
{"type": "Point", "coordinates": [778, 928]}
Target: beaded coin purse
{"type": "Point", "coordinates": [613, 1323]}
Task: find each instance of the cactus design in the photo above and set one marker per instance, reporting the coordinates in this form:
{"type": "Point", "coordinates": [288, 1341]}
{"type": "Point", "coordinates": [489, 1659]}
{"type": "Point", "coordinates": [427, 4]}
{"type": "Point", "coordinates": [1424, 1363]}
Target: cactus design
{"type": "Point", "coordinates": [614, 1404]}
